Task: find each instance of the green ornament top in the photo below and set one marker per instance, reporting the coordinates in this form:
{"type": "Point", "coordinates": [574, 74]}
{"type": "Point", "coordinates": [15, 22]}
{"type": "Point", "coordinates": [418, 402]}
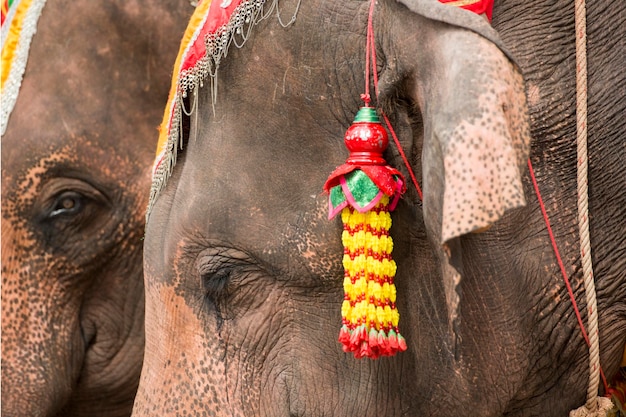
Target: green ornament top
{"type": "Point", "coordinates": [366, 114]}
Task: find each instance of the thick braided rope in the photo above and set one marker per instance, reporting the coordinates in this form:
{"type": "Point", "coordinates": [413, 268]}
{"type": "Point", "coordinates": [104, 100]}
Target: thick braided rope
{"type": "Point", "coordinates": [595, 406]}
{"type": "Point", "coordinates": [583, 207]}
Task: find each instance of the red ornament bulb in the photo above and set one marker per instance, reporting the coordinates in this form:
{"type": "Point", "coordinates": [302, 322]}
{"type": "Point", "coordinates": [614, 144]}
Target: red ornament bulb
{"type": "Point", "coordinates": [366, 139]}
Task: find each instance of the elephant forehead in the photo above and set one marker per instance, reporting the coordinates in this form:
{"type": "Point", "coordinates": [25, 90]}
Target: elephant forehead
{"type": "Point", "coordinates": [250, 198]}
{"type": "Point", "coordinates": [30, 172]}
{"type": "Point", "coordinates": [267, 232]}
{"type": "Point", "coordinates": [27, 167]}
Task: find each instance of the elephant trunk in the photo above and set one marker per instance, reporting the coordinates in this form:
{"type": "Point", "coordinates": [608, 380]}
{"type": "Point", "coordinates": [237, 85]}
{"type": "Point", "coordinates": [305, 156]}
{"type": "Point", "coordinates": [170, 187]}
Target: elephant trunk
{"type": "Point", "coordinates": [41, 350]}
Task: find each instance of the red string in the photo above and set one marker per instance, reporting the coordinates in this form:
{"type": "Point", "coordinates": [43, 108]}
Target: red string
{"type": "Point", "coordinates": [370, 36]}
{"type": "Point", "coordinates": [404, 158]}
{"type": "Point", "coordinates": [561, 266]}
{"type": "Point", "coordinates": [371, 45]}
{"type": "Point", "coordinates": [370, 49]}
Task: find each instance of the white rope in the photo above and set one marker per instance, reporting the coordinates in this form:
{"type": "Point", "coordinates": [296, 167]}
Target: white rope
{"type": "Point", "coordinates": [595, 406]}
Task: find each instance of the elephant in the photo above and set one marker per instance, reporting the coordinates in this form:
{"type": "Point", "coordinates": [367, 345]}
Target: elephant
{"type": "Point", "coordinates": [243, 269]}
{"type": "Point", "coordinates": [76, 158]}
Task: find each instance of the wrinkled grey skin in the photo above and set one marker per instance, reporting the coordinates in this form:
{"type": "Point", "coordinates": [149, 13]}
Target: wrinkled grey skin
{"type": "Point", "coordinates": [243, 270]}
{"type": "Point", "coordinates": [76, 162]}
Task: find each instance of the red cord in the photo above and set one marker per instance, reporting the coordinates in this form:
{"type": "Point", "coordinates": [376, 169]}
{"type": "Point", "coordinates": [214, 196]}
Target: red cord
{"type": "Point", "coordinates": [406, 162]}
{"type": "Point", "coordinates": [561, 266]}
{"type": "Point", "coordinates": [371, 45]}
{"type": "Point", "coordinates": [370, 49]}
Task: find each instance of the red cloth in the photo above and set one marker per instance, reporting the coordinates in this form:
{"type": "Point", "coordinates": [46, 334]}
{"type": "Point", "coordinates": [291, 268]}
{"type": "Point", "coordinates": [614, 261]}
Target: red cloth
{"type": "Point", "coordinates": [477, 6]}
{"type": "Point", "coordinates": [217, 19]}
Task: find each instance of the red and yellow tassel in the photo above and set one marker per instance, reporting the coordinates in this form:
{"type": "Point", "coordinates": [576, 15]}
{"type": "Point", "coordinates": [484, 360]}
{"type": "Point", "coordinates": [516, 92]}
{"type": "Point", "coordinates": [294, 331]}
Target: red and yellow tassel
{"type": "Point", "coordinates": [365, 189]}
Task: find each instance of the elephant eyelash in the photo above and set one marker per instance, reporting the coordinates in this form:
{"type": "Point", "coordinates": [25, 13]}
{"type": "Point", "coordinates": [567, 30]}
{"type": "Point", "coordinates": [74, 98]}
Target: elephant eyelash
{"type": "Point", "coordinates": [226, 291]}
{"type": "Point", "coordinates": [218, 268]}
{"type": "Point", "coordinates": [222, 284]}
{"type": "Point", "coordinates": [216, 284]}
{"type": "Point", "coordinates": [232, 282]}
{"type": "Point", "coordinates": [68, 200]}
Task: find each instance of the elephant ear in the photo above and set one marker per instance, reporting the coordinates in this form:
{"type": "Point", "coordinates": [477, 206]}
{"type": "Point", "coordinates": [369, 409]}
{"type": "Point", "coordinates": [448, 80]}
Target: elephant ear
{"type": "Point", "coordinates": [476, 132]}
{"type": "Point", "coordinates": [452, 15]}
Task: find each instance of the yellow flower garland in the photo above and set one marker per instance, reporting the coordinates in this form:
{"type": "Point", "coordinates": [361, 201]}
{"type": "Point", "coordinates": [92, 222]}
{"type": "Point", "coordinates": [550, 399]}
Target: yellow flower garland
{"type": "Point", "coordinates": [370, 317]}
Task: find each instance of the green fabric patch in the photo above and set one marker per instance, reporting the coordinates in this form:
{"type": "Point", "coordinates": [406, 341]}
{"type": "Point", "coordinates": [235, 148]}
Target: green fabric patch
{"type": "Point", "coordinates": [361, 187]}
{"type": "Point", "coordinates": [336, 196]}
{"type": "Point", "coordinates": [362, 190]}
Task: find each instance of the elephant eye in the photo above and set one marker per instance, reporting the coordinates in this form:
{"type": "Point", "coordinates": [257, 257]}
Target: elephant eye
{"type": "Point", "coordinates": [215, 274]}
{"type": "Point", "coordinates": [67, 204]}
{"type": "Point", "coordinates": [218, 267]}
{"type": "Point", "coordinates": [216, 284]}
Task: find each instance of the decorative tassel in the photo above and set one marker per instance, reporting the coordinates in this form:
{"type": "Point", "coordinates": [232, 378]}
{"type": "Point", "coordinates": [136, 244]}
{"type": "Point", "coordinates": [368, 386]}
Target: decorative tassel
{"type": "Point", "coordinates": [365, 189]}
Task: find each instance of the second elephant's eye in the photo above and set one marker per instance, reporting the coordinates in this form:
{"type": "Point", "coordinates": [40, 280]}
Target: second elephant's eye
{"type": "Point", "coordinates": [67, 204]}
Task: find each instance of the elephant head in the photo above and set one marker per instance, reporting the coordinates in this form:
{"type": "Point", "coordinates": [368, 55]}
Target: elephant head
{"type": "Point", "coordinates": [243, 269]}
{"type": "Point", "coordinates": [76, 160]}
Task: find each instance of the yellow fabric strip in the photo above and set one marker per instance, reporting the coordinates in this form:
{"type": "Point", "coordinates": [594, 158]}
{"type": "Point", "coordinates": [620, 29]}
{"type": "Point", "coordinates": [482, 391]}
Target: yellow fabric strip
{"type": "Point", "coordinates": [192, 26]}
{"type": "Point", "coordinates": [12, 41]}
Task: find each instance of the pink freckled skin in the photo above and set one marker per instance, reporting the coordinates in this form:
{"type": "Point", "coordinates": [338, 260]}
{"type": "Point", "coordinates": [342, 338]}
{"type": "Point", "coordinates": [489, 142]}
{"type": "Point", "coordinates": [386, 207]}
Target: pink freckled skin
{"type": "Point", "coordinates": [76, 160]}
